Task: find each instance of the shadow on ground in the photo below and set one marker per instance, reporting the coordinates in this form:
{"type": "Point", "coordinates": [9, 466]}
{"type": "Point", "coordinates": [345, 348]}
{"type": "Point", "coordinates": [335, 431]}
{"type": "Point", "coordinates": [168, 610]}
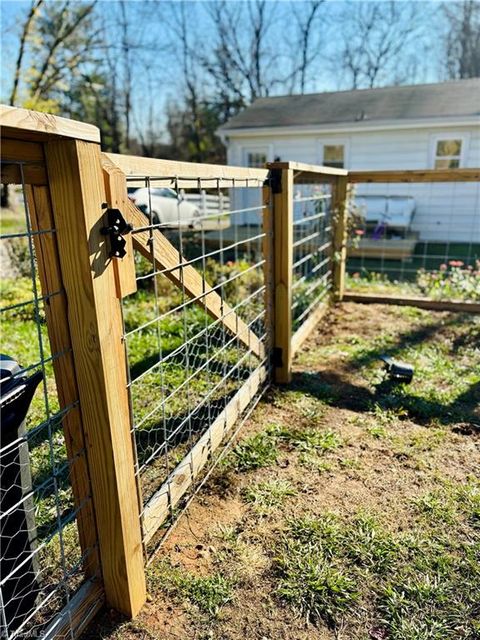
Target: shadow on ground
{"type": "Point", "coordinates": [336, 391]}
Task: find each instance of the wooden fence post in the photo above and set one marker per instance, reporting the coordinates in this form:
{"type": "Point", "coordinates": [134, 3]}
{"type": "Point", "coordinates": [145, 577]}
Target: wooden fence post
{"type": "Point", "coordinates": [339, 248]}
{"type": "Point", "coordinates": [117, 198]}
{"type": "Point", "coordinates": [282, 191]}
{"type": "Point", "coordinates": [94, 315]}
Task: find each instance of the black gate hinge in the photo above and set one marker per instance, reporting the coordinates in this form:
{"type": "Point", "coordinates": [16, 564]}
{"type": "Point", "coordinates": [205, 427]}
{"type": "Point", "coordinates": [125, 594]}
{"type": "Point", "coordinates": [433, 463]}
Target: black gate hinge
{"type": "Point", "coordinates": [116, 227]}
{"type": "Point", "coordinates": [274, 180]}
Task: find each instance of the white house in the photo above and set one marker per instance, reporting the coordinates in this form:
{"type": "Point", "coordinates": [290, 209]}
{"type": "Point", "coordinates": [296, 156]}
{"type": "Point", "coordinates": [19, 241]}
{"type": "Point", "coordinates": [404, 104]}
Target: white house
{"type": "Point", "coordinates": [406, 127]}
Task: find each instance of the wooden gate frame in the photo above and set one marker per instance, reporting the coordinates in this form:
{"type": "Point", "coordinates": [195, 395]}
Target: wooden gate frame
{"type": "Point", "coordinates": [69, 183]}
{"type": "Point", "coordinates": [66, 191]}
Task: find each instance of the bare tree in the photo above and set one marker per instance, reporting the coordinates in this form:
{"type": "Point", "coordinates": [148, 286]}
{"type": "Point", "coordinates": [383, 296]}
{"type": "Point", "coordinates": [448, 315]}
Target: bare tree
{"type": "Point", "coordinates": [376, 40]}
{"type": "Point", "coordinates": [36, 4]}
{"type": "Point", "coordinates": [308, 52]}
{"type": "Point", "coordinates": [462, 39]}
{"type": "Point", "coordinates": [240, 64]}
{"type": "Point", "coordinates": [127, 70]}
{"type": "Point", "coordinates": [60, 48]}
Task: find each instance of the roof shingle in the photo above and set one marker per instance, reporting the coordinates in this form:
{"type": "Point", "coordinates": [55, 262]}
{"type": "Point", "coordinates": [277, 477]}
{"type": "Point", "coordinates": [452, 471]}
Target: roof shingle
{"type": "Point", "coordinates": [455, 98]}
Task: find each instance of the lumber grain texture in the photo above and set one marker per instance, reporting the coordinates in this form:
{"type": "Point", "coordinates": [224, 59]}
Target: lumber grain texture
{"type": "Point", "coordinates": [56, 314]}
{"type": "Point", "coordinates": [117, 198]}
{"type": "Point", "coordinates": [421, 303]}
{"type": "Point", "coordinates": [94, 317]}
{"type": "Point", "coordinates": [35, 125]}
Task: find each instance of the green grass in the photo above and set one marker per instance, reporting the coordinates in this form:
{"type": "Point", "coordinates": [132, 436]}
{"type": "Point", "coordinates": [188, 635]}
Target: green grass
{"type": "Point", "coordinates": [263, 449]}
{"type": "Point", "coordinates": [423, 583]}
{"type": "Point", "coordinates": [207, 593]}
{"type": "Point", "coordinates": [252, 453]}
{"type": "Point", "coordinates": [315, 588]}
{"type": "Point", "coordinates": [269, 494]}
{"type": "Point", "coordinates": [307, 439]}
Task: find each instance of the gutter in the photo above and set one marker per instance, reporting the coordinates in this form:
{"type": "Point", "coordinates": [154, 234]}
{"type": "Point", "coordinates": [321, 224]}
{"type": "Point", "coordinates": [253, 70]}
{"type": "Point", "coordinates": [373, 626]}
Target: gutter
{"type": "Point", "coordinates": [348, 127]}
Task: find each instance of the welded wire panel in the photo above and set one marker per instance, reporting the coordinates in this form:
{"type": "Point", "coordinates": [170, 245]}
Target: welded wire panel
{"type": "Point", "coordinates": [196, 332]}
{"type": "Point", "coordinates": [312, 249]}
{"type": "Point", "coordinates": [415, 239]}
{"type": "Point", "coordinates": [42, 565]}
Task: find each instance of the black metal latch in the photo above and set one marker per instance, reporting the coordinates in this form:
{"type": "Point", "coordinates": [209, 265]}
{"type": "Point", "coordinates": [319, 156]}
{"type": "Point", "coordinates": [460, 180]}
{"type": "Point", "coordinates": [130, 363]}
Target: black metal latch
{"type": "Point", "coordinates": [116, 227]}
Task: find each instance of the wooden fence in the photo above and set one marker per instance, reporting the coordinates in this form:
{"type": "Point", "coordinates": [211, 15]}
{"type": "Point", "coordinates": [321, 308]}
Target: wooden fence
{"type": "Point", "coordinates": [77, 193]}
{"type": "Point", "coordinates": [429, 259]}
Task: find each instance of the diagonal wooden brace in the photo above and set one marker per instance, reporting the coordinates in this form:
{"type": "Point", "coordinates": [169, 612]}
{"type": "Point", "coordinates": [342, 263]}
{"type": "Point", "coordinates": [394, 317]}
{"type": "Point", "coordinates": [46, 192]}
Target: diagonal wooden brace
{"type": "Point", "coordinates": [166, 257]}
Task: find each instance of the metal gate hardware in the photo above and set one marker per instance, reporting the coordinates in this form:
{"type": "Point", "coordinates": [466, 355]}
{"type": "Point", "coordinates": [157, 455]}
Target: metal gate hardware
{"type": "Point", "coordinates": [116, 227]}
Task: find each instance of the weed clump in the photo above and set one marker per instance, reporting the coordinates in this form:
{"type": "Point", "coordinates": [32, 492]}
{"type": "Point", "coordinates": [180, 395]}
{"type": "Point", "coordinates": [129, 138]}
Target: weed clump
{"type": "Point", "coordinates": [207, 593]}
{"type": "Point", "coordinates": [257, 451]}
{"type": "Point", "coordinates": [266, 495]}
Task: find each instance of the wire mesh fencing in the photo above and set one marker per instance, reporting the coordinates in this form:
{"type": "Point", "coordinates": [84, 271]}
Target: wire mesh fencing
{"type": "Point", "coordinates": [197, 332]}
{"type": "Point", "coordinates": [48, 542]}
{"type": "Point", "coordinates": [415, 239]}
{"type": "Point", "coordinates": [312, 249]}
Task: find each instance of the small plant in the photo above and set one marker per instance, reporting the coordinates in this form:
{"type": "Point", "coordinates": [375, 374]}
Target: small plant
{"type": "Point", "coordinates": [436, 506]}
{"type": "Point", "coordinates": [377, 431]}
{"type": "Point", "coordinates": [350, 463]}
{"type": "Point", "coordinates": [266, 495]}
{"type": "Point", "coordinates": [369, 545]}
{"type": "Point", "coordinates": [323, 532]}
{"type": "Point", "coordinates": [208, 593]}
{"type": "Point", "coordinates": [306, 439]}
{"type": "Point", "coordinates": [252, 453]}
{"type": "Point", "coordinates": [312, 461]}
{"type": "Point", "coordinates": [312, 585]}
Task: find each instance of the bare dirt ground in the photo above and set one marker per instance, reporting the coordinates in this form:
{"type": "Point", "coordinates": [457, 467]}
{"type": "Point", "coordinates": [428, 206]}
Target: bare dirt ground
{"type": "Point", "coordinates": [349, 508]}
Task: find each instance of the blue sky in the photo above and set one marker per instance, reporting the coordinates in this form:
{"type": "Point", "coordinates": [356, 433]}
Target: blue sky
{"type": "Point", "coordinates": [156, 68]}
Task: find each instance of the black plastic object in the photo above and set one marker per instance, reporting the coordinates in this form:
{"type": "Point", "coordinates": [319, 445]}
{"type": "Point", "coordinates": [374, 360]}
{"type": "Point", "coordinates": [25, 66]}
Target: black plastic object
{"type": "Point", "coordinates": [17, 524]}
{"type": "Point", "coordinates": [398, 371]}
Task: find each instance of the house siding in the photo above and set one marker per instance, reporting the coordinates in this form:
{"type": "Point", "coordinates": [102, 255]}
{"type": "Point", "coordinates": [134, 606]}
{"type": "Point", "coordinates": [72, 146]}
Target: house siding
{"type": "Point", "coordinates": [444, 212]}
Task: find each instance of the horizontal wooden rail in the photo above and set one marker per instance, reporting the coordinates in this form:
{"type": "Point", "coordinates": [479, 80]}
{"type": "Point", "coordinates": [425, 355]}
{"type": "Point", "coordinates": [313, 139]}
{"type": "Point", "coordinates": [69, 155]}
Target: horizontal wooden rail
{"type": "Point", "coordinates": [22, 162]}
{"type": "Point", "coordinates": [433, 175]}
{"type": "Point", "coordinates": [77, 614]}
{"type": "Point", "coordinates": [421, 303]}
{"type": "Point", "coordinates": [32, 125]}
{"type": "Point", "coordinates": [188, 173]}
{"type": "Point", "coordinates": [182, 477]}
{"type": "Point", "coordinates": [309, 172]}
{"type": "Point", "coordinates": [167, 258]}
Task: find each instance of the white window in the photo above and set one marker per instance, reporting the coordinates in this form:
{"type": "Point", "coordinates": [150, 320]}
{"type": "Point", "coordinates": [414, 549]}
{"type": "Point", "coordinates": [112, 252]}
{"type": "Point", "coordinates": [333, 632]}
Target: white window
{"type": "Point", "coordinates": [257, 156]}
{"type": "Point", "coordinates": [256, 159]}
{"type": "Point", "coordinates": [448, 151]}
{"type": "Point", "coordinates": [334, 155]}
{"type": "Point", "coordinates": [333, 152]}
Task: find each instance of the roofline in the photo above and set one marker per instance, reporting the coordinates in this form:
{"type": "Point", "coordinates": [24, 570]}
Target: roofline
{"type": "Point", "coordinates": [350, 127]}
{"type": "Point", "coordinates": [388, 87]}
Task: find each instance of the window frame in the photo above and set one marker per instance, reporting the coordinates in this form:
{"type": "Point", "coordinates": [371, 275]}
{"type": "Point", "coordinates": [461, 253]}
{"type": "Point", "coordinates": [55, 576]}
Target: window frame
{"type": "Point", "coordinates": [464, 137]}
{"type": "Point", "coordinates": [333, 142]}
{"type": "Point", "coordinates": [266, 149]}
